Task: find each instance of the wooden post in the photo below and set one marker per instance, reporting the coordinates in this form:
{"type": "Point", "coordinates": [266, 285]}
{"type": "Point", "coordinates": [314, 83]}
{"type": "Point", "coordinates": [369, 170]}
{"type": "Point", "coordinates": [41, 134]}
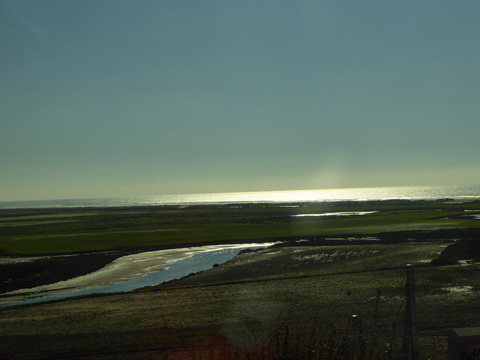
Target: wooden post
{"type": "Point", "coordinates": [357, 336]}
{"type": "Point", "coordinates": [411, 340]}
{"type": "Point", "coordinates": [356, 324]}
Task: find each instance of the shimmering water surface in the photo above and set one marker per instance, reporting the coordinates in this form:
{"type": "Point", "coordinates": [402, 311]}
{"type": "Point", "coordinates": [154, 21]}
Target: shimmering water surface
{"type": "Point", "coordinates": [204, 258]}
{"type": "Point", "coordinates": [338, 213]}
{"type": "Point", "coordinates": [352, 194]}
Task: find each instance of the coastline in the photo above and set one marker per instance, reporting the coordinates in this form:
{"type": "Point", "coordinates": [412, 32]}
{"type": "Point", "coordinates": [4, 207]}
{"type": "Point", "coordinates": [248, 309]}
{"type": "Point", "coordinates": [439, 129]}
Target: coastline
{"type": "Point", "coordinates": [429, 193]}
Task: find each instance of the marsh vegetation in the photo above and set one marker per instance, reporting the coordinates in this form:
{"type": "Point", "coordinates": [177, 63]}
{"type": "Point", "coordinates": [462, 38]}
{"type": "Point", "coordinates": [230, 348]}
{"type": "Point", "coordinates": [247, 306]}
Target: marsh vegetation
{"type": "Point", "coordinates": [294, 299]}
{"type": "Point", "coordinates": [71, 230]}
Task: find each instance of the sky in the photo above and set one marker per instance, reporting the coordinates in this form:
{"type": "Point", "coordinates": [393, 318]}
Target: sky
{"type": "Point", "coordinates": [115, 98]}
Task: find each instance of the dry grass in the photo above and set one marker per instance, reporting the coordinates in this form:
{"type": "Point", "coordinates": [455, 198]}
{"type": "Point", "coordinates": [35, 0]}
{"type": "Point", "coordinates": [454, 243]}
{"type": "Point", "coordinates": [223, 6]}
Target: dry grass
{"type": "Point", "coordinates": [284, 303]}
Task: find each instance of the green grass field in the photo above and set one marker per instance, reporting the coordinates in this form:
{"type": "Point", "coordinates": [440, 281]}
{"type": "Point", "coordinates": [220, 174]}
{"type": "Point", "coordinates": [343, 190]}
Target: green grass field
{"type": "Point", "coordinates": [54, 231]}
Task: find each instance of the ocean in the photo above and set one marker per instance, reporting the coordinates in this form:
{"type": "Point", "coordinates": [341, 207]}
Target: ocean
{"type": "Point", "coordinates": [460, 193]}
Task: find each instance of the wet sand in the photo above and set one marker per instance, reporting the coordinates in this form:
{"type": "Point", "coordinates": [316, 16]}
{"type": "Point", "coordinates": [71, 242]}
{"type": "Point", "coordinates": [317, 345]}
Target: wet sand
{"type": "Point", "coordinates": [121, 269]}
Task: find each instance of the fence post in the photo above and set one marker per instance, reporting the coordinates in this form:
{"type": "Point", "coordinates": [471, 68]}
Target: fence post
{"type": "Point", "coordinates": [357, 336]}
{"type": "Point", "coordinates": [410, 341]}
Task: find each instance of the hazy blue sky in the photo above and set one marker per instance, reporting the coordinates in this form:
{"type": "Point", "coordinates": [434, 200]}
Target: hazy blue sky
{"type": "Point", "coordinates": [123, 98]}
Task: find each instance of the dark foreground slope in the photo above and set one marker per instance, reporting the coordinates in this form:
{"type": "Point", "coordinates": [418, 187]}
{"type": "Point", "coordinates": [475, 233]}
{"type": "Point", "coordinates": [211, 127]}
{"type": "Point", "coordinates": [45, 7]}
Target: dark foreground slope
{"type": "Point", "coordinates": [260, 305]}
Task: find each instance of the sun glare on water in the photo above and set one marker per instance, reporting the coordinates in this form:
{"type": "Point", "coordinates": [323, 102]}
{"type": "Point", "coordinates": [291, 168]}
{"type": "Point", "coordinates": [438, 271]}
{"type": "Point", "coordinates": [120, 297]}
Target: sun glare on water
{"type": "Point", "coordinates": [291, 196]}
{"type": "Point", "coordinates": [347, 194]}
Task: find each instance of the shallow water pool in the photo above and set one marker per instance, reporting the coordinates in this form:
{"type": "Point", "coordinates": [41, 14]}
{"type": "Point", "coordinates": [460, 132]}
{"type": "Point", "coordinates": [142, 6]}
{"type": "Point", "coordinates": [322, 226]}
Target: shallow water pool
{"type": "Point", "coordinates": [198, 259]}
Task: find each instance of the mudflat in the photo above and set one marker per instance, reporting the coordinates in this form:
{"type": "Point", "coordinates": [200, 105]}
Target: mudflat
{"type": "Point", "coordinates": [120, 270]}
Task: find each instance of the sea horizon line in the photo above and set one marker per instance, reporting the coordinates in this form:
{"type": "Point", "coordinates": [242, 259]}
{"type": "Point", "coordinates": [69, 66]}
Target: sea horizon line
{"type": "Point", "coordinates": [299, 195]}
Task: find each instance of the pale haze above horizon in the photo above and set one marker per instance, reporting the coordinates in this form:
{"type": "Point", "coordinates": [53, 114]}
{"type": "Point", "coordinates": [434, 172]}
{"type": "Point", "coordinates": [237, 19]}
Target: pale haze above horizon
{"type": "Point", "coordinates": [114, 98]}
